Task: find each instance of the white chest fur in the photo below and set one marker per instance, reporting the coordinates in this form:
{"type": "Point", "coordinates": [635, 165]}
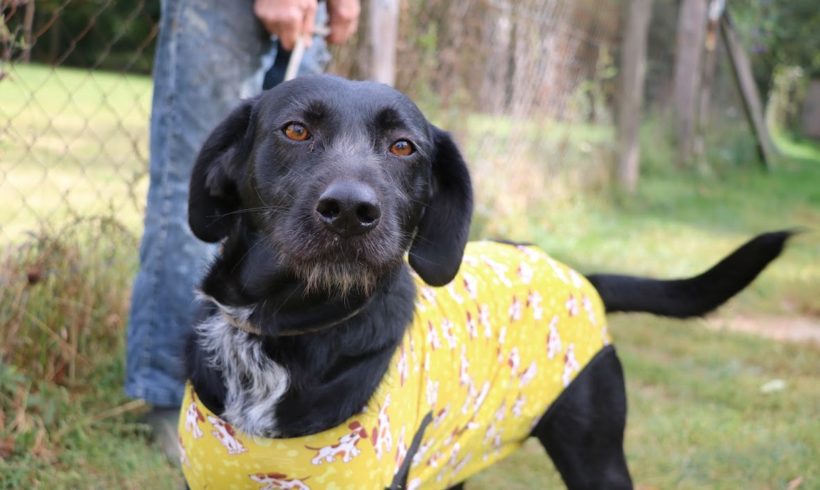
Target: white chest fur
{"type": "Point", "coordinates": [254, 382]}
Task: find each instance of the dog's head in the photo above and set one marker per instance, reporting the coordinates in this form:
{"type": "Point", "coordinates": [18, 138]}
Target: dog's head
{"type": "Point", "coordinates": [340, 179]}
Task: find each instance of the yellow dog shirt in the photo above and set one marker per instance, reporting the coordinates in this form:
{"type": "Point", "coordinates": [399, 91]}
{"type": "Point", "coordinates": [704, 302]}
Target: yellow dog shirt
{"type": "Point", "coordinates": [482, 361]}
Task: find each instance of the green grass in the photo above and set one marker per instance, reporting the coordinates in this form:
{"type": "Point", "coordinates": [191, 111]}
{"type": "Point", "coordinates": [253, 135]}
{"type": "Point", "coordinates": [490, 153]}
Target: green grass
{"type": "Point", "coordinates": [73, 143]}
{"type": "Point", "coordinates": [64, 420]}
{"type": "Point", "coordinates": [698, 415]}
{"type": "Point", "coordinates": [736, 436]}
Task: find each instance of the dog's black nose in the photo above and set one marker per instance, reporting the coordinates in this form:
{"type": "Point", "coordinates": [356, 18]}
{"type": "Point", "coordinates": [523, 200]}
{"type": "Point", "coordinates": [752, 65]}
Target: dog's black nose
{"type": "Point", "coordinates": [349, 208]}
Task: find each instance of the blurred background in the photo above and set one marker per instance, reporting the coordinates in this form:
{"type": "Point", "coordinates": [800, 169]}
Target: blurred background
{"type": "Point", "coordinates": [635, 135]}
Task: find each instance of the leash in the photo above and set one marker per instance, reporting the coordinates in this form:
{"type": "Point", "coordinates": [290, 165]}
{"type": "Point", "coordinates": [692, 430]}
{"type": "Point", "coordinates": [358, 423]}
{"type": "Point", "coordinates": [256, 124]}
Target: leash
{"type": "Point", "coordinates": [295, 59]}
{"type": "Point", "coordinates": [299, 52]}
{"type": "Point", "coordinates": [285, 65]}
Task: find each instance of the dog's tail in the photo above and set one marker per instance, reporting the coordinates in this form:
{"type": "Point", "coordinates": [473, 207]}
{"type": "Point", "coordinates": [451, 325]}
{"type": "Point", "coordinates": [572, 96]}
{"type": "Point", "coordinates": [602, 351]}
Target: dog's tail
{"type": "Point", "coordinates": [695, 296]}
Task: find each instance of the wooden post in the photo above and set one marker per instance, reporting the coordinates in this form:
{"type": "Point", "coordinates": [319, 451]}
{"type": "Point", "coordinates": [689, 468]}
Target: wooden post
{"type": "Point", "coordinates": [28, 25]}
{"type": "Point", "coordinates": [384, 29]}
{"type": "Point", "coordinates": [633, 72]}
{"type": "Point", "coordinates": [716, 9]}
{"type": "Point", "coordinates": [691, 29]}
{"type": "Point", "coordinates": [753, 107]}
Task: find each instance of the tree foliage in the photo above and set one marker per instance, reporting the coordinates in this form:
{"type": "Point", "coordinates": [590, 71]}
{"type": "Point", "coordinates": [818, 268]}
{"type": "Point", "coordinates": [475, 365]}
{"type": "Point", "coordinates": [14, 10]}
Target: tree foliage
{"type": "Point", "coordinates": [780, 33]}
{"type": "Point", "coordinates": [105, 34]}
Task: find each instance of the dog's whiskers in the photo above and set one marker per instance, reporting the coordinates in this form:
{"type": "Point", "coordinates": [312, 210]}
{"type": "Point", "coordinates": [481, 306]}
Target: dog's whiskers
{"type": "Point", "coordinates": [260, 209]}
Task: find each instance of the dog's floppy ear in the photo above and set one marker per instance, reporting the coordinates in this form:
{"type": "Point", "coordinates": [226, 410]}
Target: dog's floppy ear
{"type": "Point", "coordinates": [438, 246]}
{"type": "Point", "coordinates": [214, 193]}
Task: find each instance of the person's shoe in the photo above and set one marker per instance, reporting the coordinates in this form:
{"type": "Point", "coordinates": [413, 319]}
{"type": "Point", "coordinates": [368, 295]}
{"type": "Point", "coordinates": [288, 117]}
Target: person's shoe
{"type": "Point", "coordinates": [163, 423]}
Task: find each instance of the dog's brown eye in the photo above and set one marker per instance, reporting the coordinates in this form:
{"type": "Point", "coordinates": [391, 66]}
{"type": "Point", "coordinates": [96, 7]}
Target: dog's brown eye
{"type": "Point", "coordinates": [296, 132]}
{"type": "Point", "coordinates": [402, 148]}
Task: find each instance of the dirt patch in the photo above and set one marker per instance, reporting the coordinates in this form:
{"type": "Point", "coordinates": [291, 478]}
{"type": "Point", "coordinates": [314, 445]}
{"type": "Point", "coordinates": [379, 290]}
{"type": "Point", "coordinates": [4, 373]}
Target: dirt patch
{"type": "Point", "coordinates": [801, 329]}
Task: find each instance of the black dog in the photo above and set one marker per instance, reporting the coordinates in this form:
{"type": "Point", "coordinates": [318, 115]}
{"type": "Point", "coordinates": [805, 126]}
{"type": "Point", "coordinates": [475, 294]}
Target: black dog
{"type": "Point", "coordinates": [318, 189]}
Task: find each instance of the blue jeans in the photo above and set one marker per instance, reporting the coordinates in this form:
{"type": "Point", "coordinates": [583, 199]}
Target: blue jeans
{"type": "Point", "coordinates": [210, 54]}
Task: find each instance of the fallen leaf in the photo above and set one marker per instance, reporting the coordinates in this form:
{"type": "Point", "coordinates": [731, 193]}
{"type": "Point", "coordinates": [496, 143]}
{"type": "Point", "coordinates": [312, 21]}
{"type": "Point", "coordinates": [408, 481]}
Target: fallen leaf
{"type": "Point", "coordinates": [795, 484]}
{"type": "Point", "coordinates": [773, 386]}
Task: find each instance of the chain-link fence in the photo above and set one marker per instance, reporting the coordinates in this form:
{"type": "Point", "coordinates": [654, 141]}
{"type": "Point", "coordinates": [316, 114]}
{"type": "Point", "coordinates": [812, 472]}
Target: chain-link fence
{"type": "Point", "coordinates": [527, 86]}
{"type": "Point", "coordinates": [518, 82]}
{"type": "Point", "coordinates": [74, 106]}
{"type": "Point", "coordinates": [74, 111]}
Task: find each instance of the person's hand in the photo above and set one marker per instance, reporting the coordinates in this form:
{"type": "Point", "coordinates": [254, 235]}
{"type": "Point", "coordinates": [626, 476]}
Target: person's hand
{"type": "Point", "coordinates": [344, 19]}
{"type": "Point", "coordinates": [288, 19]}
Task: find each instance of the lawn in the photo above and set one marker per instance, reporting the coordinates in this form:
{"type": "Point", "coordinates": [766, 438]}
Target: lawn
{"type": "Point", "coordinates": [73, 143]}
{"type": "Point", "coordinates": [709, 408]}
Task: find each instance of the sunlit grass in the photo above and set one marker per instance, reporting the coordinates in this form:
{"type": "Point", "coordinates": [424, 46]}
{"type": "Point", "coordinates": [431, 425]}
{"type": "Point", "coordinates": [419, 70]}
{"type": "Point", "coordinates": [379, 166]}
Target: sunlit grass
{"type": "Point", "coordinates": [72, 143]}
{"type": "Point", "coordinates": [698, 416]}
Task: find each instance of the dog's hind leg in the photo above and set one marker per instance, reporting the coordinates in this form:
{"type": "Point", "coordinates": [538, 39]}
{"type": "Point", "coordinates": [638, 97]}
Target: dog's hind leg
{"type": "Point", "coordinates": [583, 431]}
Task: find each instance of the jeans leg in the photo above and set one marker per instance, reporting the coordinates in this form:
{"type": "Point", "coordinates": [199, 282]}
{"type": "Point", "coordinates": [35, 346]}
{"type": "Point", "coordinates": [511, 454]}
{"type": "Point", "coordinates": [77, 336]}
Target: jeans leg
{"type": "Point", "coordinates": [207, 55]}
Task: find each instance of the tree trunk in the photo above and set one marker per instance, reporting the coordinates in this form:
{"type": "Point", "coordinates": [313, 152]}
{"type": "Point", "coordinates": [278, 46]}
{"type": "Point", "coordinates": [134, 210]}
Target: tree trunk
{"type": "Point", "coordinates": [498, 65]}
{"type": "Point", "coordinates": [28, 24]}
{"type": "Point", "coordinates": [691, 29]}
{"type": "Point", "coordinates": [810, 114]}
{"type": "Point", "coordinates": [633, 71]}
{"type": "Point", "coordinates": [752, 103]}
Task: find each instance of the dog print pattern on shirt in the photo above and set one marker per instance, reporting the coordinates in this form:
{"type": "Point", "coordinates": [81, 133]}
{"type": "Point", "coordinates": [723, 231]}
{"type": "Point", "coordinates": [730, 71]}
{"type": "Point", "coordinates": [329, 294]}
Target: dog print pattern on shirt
{"type": "Point", "coordinates": [485, 356]}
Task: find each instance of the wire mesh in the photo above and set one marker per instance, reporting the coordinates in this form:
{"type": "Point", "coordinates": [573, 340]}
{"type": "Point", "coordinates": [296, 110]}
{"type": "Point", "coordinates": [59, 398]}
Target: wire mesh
{"type": "Point", "coordinates": [74, 113]}
{"type": "Point", "coordinates": [527, 87]}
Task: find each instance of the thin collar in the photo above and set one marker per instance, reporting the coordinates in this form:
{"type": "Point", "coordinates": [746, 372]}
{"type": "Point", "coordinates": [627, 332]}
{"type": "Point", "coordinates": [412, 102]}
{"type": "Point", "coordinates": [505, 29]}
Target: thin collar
{"type": "Point", "coordinates": [248, 327]}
